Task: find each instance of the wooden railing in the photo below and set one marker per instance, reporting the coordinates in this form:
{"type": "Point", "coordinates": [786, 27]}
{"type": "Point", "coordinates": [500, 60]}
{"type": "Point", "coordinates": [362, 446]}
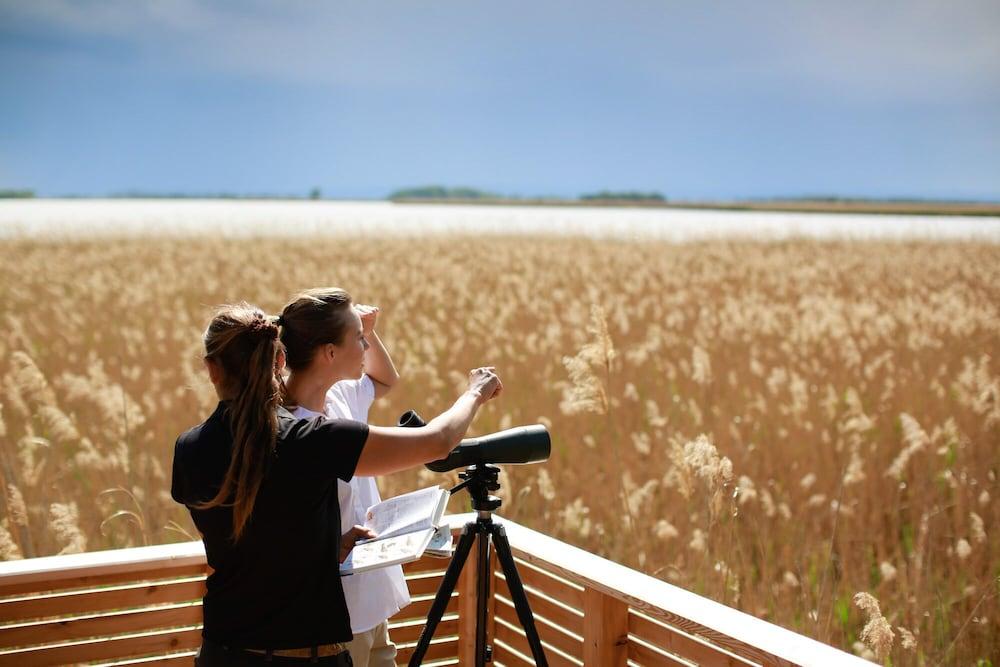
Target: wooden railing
{"type": "Point", "coordinates": [142, 606]}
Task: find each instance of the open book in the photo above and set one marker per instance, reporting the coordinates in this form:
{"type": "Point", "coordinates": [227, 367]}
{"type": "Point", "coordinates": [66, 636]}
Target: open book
{"type": "Point", "coordinates": [406, 526]}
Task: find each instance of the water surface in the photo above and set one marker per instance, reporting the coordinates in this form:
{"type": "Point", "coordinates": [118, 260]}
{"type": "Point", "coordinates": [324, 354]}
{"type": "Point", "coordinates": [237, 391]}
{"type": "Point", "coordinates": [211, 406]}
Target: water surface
{"type": "Point", "coordinates": [89, 218]}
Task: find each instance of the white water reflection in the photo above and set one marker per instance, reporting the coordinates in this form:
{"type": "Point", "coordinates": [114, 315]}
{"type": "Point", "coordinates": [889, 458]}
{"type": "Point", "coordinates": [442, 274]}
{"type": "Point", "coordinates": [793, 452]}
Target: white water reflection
{"type": "Point", "coordinates": [89, 218]}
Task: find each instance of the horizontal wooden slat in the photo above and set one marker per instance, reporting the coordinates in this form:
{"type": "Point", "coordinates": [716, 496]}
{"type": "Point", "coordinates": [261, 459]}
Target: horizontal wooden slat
{"type": "Point", "coordinates": [426, 564]}
{"type": "Point", "coordinates": [550, 635]}
{"type": "Point", "coordinates": [146, 643]}
{"type": "Point", "coordinates": [556, 614]}
{"type": "Point", "coordinates": [515, 639]}
{"type": "Point", "coordinates": [424, 585]}
{"type": "Point", "coordinates": [101, 624]}
{"type": "Point", "coordinates": [410, 632]}
{"type": "Point", "coordinates": [677, 642]}
{"type": "Point", "coordinates": [506, 656]}
{"type": "Point", "coordinates": [648, 656]}
{"type": "Point", "coordinates": [185, 658]}
{"type": "Point", "coordinates": [52, 573]}
{"type": "Point", "coordinates": [438, 650]}
{"type": "Point", "coordinates": [116, 597]}
{"type": "Point", "coordinates": [556, 588]}
{"type": "Point", "coordinates": [92, 581]}
{"type": "Point", "coordinates": [503, 655]}
{"type": "Point", "coordinates": [421, 607]}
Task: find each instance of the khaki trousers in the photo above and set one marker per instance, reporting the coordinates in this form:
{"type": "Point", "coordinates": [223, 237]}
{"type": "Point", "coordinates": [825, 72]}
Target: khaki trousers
{"type": "Point", "coordinates": [373, 648]}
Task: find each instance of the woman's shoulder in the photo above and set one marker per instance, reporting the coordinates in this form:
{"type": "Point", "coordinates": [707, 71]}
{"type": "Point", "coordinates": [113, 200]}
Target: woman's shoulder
{"type": "Point", "coordinates": [354, 393]}
{"type": "Point", "coordinates": [210, 428]}
{"type": "Point", "coordinates": [319, 446]}
{"type": "Point", "coordinates": [295, 412]}
{"type": "Point", "coordinates": [313, 426]}
{"type": "Point", "coordinates": [201, 456]}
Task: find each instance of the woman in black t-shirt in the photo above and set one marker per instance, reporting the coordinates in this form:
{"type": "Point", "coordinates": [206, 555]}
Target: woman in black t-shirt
{"type": "Point", "coordinates": [261, 488]}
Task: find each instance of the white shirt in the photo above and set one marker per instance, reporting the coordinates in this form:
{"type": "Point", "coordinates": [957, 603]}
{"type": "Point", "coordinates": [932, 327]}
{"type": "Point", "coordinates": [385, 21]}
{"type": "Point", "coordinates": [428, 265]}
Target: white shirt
{"type": "Point", "coordinates": [372, 596]}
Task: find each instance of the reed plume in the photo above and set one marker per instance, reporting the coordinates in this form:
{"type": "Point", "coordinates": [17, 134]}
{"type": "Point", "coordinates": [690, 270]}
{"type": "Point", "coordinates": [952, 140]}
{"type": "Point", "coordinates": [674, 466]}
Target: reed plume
{"type": "Point", "coordinates": [877, 633]}
{"type": "Point", "coordinates": [64, 519]}
{"type": "Point", "coordinates": [847, 381]}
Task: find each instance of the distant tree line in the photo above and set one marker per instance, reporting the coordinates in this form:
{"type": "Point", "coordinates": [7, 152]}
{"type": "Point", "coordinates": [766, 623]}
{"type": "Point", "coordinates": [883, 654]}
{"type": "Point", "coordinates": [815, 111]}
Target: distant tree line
{"type": "Point", "coordinates": [314, 193]}
{"type": "Point", "coordinates": [423, 192]}
{"type": "Point", "coordinates": [443, 192]}
{"type": "Point", "coordinates": [622, 195]}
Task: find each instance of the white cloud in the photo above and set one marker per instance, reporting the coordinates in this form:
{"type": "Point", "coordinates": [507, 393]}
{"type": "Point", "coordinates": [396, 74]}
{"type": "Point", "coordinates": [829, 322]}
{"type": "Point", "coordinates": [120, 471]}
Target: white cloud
{"type": "Point", "coordinates": [333, 43]}
{"type": "Point", "coordinates": [914, 49]}
{"type": "Point", "coordinates": [113, 18]}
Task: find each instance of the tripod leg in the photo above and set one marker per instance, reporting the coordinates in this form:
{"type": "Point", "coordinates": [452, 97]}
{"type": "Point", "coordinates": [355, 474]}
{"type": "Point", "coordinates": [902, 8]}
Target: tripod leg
{"type": "Point", "coordinates": [482, 599]}
{"type": "Point", "coordinates": [517, 593]}
{"type": "Point", "coordinates": [444, 592]}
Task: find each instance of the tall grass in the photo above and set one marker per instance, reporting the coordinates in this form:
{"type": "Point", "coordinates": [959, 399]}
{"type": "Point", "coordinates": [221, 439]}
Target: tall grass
{"type": "Point", "coordinates": [777, 426]}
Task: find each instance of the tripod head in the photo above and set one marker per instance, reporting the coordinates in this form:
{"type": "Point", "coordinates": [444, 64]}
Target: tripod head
{"type": "Point", "coordinates": [479, 481]}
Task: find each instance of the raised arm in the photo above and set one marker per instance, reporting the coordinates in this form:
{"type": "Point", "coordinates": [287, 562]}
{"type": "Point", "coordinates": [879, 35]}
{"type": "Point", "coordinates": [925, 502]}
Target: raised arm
{"type": "Point", "coordinates": [378, 363]}
{"type": "Point", "coordinates": [392, 449]}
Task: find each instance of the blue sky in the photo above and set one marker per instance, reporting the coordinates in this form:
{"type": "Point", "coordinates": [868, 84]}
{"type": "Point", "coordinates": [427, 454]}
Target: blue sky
{"type": "Point", "coordinates": [693, 99]}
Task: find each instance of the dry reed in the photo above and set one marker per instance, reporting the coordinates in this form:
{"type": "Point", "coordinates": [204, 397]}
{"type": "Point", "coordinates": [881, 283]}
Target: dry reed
{"type": "Point", "coordinates": [785, 423]}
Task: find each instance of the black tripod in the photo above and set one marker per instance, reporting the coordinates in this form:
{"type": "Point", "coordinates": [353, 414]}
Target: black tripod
{"type": "Point", "coordinates": [479, 481]}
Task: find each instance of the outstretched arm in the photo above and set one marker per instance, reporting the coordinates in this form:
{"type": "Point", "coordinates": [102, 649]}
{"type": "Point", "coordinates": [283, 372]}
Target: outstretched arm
{"type": "Point", "coordinates": [378, 363]}
{"type": "Point", "coordinates": [392, 449]}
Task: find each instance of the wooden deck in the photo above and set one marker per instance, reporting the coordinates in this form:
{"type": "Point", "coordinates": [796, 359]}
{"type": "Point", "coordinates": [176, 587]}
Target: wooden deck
{"type": "Point", "coordinates": [142, 606]}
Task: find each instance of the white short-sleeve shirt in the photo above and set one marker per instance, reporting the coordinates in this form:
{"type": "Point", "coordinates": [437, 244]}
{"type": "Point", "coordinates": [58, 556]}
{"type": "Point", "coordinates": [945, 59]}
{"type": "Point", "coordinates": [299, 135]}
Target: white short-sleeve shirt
{"type": "Point", "coordinates": [372, 596]}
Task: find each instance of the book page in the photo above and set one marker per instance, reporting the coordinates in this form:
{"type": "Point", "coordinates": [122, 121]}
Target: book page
{"type": "Point", "coordinates": [405, 513]}
{"type": "Point", "coordinates": [389, 551]}
{"type": "Point", "coordinates": [441, 507]}
{"type": "Point", "coordinates": [440, 545]}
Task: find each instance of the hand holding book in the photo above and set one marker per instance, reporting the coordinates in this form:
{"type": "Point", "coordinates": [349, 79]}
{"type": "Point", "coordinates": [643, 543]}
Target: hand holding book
{"type": "Point", "coordinates": [404, 528]}
{"type": "Point", "coordinates": [353, 536]}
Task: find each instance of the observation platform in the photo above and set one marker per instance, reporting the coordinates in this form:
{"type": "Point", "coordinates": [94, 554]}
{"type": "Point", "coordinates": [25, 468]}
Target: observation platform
{"type": "Point", "coordinates": [142, 606]}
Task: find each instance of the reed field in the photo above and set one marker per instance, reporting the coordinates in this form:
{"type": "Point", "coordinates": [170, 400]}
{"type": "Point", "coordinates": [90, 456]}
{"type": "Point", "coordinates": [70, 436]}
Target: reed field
{"type": "Point", "coordinates": [808, 431]}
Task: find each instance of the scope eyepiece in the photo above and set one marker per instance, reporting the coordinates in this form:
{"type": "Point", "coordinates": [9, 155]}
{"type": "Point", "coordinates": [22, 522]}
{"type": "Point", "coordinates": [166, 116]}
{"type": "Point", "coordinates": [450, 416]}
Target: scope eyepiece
{"type": "Point", "coordinates": [412, 419]}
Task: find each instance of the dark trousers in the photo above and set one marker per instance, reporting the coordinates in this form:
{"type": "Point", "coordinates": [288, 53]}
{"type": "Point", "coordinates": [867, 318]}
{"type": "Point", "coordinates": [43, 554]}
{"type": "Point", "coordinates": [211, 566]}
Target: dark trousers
{"type": "Point", "coordinates": [215, 655]}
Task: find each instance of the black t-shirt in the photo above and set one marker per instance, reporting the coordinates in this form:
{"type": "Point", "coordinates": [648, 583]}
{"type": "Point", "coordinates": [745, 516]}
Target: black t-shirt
{"type": "Point", "coordinates": [279, 586]}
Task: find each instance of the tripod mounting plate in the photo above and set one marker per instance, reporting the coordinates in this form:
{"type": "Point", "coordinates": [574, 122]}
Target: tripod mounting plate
{"type": "Point", "coordinates": [480, 479]}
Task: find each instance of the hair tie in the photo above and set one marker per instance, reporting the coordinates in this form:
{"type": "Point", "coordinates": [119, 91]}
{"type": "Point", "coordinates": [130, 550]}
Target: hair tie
{"type": "Point", "coordinates": [263, 326]}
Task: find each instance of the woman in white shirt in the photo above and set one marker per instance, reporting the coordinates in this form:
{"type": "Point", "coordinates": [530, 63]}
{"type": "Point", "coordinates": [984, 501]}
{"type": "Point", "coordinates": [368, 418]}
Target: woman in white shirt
{"type": "Point", "coordinates": [338, 367]}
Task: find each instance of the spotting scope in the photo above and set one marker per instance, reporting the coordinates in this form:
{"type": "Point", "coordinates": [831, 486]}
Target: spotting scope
{"type": "Point", "coordinates": [521, 444]}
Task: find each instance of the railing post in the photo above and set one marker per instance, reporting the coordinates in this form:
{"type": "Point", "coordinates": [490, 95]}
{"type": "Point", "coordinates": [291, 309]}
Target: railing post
{"type": "Point", "coordinates": [467, 608]}
{"type": "Point", "coordinates": [605, 630]}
